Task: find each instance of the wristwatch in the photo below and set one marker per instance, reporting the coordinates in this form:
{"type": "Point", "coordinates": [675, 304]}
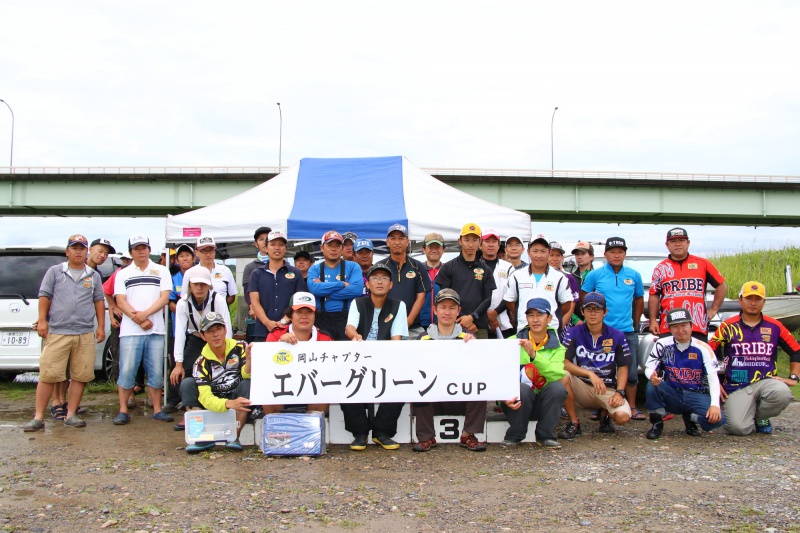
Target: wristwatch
{"type": "Point", "coordinates": [621, 392]}
{"type": "Point", "coordinates": [283, 321]}
{"type": "Point", "coordinates": [794, 377]}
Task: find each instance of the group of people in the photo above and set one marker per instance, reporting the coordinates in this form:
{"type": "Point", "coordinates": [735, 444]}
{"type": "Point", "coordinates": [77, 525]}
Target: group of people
{"type": "Point", "coordinates": [578, 332]}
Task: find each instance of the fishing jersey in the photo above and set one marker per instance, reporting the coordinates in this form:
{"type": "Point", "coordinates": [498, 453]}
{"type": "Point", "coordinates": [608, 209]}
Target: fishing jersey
{"type": "Point", "coordinates": [693, 369]}
{"type": "Point", "coordinates": [602, 355]}
{"type": "Point", "coordinates": [682, 284]}
{"type": "Point", "coordinates": [217, 380]}
{"type": "Point", "coordinates": [751, 353]}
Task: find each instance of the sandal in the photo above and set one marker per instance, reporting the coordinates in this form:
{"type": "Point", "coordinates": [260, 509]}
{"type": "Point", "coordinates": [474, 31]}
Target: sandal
{"type": "Point", "coordinates": [595, 415]}
{"type": "Point", "coordinates": [58, 412]}
{"type": "Point", "coordinates": [636, 414]}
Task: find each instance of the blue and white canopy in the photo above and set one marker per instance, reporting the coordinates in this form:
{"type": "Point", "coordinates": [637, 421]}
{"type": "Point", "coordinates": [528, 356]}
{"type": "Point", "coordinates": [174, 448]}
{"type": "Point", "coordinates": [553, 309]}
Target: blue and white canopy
{"type": "Point", "coordinates": [362, 195]}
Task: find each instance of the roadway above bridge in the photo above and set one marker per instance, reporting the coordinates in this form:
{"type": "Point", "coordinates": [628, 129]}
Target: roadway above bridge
{"type": "Point", "coordinates": [559, 196]}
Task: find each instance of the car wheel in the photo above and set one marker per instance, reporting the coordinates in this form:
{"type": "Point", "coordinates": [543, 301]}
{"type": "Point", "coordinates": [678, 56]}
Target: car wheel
{"type": "Point", "coordinates": [110, 370]}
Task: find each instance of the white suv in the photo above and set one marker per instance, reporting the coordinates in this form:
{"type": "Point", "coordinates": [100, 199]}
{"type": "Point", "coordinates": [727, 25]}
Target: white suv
{"type": "Point", "coordinates": [23, 268]}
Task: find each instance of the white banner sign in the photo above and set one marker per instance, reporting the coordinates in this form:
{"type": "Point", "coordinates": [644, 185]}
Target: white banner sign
{"type": "Point", "coordinates": [384, 371]}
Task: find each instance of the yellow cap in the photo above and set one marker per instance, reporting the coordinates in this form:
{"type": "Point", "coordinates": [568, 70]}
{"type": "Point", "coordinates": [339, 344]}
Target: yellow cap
{"type": "Point", "coordinates": [471, 229]}
{"type": "Point", "coordinates": [753, 288]}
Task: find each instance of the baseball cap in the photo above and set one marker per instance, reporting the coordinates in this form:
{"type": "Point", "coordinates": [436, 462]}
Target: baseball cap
{"type": "Point", "coordinates": [261, 231]}
{"type": "Point", "coordinates": [302, 254]}
{"type": "Point", "coordinates": [211, 319]}
{"type": "Point", "coordinates": [596, 299]}
{"type": "Point", "coordinates": [554, 245]}
{"type": "Point", "coordinates": [433, 238]}
{"type": "Point", "coordinates": [197, 274]}
{"type": "Point", "coordinates": [106, 243]}
{"type": "Point", "coordinates": [277, 234]}
{"type": "Point", "coordinates": [378, 266]}
{"type": "Point", "coordinates": [303, 299]}
{"type": "Point", "coordinates": [490, 232]}
{"type": "Point", "coordinates": [362, 244]}
{"type": "Point", "coordinates": [539, 304]}
{"type": "Point", "coordinates": [350, 236]}
{"type": "Point", "coordinates": [77, 239]}
{"type": "Point", "coordinates": [539, 239]}
{"type": "Point", "coordinates": [514, 237]}
{"type": "Point", "coordinates": [397, 227]}
{"type": "Point", "coordinates": [678, 316]}
{"type": "Point", "coordinates": [584, 246]}
{"type": "Point", "coordinates": [332, 235]}
{"type": "Point", "coordinates": [126, 255]}
{"type": "Point", "coordinates": [470, 229]}
{"type": "Point", "coordinates": [677, 233]}
{"type": "Point", "coordinates": [202, 242]}
{"type": "Point", "coordinates": [184, 248]}
{"type": "Point", "coordinates": [753, 288]}
{"type": "Point", "coordinates": [448, 294]}
{"type": "Point", "coordinates": [136, 240]}
{"type": "Point", "coordinates": [615, 242]}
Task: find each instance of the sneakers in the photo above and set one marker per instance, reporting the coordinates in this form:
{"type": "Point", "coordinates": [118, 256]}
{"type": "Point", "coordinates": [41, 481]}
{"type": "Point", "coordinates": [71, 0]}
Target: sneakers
{"type": "Point", "coordinates": [472, 443]}
{"type": "Point", "coordinates": [425, 445]}
{"type": "Point", "coordinates": [605, 425]}
{"type": "Point", "coordinates": [570, 431]}
{"type": "Point", "coordinates": [509, 443]}
{"type": "Point", "coordinates": [385, 442]}
{"type": "Point", "coordinates": [162, 416]}
{"type": "Point", "coordinates": [658, 426]}
{"type": "Point", "coordinates": [33, 425]}
{"type": "Point", "coordinates": [550, 444]}
{"type": "Point", "coordinates": [764, 426]}
{"type": "Point", "coordinates": [75, 421]}
{"type": "Point", "coordinates": [359, 443]}
{"type": "Point", "coordinates": [121, 419]}
{"type": "Point", "coordinates": [235, 446]}
{"type": "Point", "coordinates": [564, 413]}
{"type": "Point", "coordinates": [691, 427]}
{"type": "Point", "coordinates": [198, 447]}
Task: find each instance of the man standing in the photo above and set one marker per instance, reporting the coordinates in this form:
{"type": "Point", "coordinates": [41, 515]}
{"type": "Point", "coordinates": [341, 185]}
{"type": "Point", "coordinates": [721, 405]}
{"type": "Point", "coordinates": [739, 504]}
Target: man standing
{"type": "Point", "coordinates": [221, 276]}
{"type": "Point", "coordinates": [556, 260]}
{"type": "Point", "coordinates": [624, 291]}
{"type": "Point", "coordinates": [538, 345]}
{"type": "Point", "coordinates": [683, 379]}
{"type": "Point", "coordinates": [70, 299]}
{"type": "Point", "coordinates": [303, 262]}
{"type": "Point", "coordinates": [99, 252]}
{"type": "Point", "coordinates": [752, 390]}
{"type": "Point", "coordinates": [334, 282]}
{"type": "Point", "coordinates": [409, 279]}
{"type": "Point", "coordinates": [142, 291]}
{"type": "Point", "coordinates": [473, 280]}
{"type": "Point", "coordinates": [364, 256]}
{"type": "Point", "coordinates": [679, 281]}
{"type": "Point", "coordinates": [538, 280]}
{"type": "Point", "coordinates": [262, 256]}
{"type": "Point", "coordinates": [348, 251]}
{"type": "Point", "coordinates": [514, 250]}
{"type": "Point", "coordinates": [184, 259]}
{"type": "Point", "coordinates": [272, 287]}
{"type": "Point", "coordinates": [433, 247]}
{"type": "Point", "coordinates": [597, 359]}
{"type": "Point", "coordinates": [584, 255]}
{"type": "Point", "coordinates": [375, 318]}
{"type": "Point", "coordinates": [499, 324]}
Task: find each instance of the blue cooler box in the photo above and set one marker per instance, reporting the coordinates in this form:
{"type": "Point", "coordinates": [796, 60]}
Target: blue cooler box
{"type": "Point", "coordinates": [209, 426]}
{"type": "Point", "coordinates": [294, 434]}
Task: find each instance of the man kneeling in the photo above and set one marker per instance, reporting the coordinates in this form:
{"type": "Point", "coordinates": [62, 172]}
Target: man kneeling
{"type": "Point", "coordinates": [220, 379]}
{"type": "Point", "coordinates": [447, 306]}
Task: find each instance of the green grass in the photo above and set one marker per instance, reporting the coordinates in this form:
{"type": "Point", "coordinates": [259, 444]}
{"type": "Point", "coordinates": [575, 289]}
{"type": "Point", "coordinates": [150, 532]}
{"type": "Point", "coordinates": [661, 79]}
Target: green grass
{"type": "Point", "coordinates": [765, 266]}
{"type": "Point", "coordinates": [10, 390]}
{"type": "Point", "coordinates": [98, 387]}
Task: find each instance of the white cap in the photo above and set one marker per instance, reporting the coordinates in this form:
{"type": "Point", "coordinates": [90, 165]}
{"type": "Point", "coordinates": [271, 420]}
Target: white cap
{"type": "Point", "coordinates": [126, 255]}
{"type": "Point", "coordinates": [277, 234]}
{"type": "Point", "coordinates": [136, 240]}
{"type": "Point", "coordinates": [202, 242]}
{"type": "Point", "coordinates": [196, 274]}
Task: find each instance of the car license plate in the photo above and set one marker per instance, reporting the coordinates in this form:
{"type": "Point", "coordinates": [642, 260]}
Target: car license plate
{"type": "Point", "coordinates": [15, 338]}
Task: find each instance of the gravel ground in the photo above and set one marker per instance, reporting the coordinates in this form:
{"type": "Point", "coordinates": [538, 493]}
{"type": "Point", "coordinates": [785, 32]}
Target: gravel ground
{"type": "Point", "coordinates": [139, 478]}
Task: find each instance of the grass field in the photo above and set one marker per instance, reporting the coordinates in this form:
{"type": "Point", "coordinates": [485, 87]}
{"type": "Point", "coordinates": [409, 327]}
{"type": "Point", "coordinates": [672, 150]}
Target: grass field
{"type": "Point", "coordinates": [765, 266]}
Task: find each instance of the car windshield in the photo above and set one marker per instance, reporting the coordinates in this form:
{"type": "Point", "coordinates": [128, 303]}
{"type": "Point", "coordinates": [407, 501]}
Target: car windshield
{"type": "Point", "coordinates": [644, 266]}
{"type": "Point", "coordinates": [23, 273]}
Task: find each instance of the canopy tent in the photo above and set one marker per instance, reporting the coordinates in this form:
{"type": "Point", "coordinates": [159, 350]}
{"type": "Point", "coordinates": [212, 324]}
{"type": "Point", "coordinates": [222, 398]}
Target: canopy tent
{"type": "Point", "coordinates": [362, 195]}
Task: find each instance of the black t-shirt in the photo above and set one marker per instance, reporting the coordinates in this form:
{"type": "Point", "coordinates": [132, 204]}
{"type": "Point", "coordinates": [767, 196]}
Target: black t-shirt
{"type": "Point", "coordinates": [411, 280]}
{"type": "Point", "coordinates": [474, 283]}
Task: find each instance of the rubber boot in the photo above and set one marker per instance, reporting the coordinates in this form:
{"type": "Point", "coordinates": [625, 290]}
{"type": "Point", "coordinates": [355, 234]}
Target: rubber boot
{"type": "Point", "coordinates": [658, 426]}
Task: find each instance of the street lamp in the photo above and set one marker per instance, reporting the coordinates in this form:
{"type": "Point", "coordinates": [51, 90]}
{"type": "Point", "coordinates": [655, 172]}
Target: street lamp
{"type": "Point", "coordinates": [551, 139]}
{"type": "Point", "coordinates": [280, 137]}
{"type": "Point", "coordinates": [11, 162]}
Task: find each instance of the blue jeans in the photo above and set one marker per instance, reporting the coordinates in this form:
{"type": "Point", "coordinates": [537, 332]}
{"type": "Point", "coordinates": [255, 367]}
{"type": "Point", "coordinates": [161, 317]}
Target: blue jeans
{"type": "Point", "coordinates": [135, 349]}
{"type": "Point", "coordinates": [633, 367]}
{"type": "Point", "coordinates": [679, 401]}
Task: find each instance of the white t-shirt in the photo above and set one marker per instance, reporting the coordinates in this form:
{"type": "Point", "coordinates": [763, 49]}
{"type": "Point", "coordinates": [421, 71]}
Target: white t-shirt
{"type": "Point", "coordinates": [141, 289]}
{"type": "Point", "coordinates": [399, 326]}
{"type": "Point", "coordinates": [553, 287]}
{"type": "Point", "coordinates": [222, 280]}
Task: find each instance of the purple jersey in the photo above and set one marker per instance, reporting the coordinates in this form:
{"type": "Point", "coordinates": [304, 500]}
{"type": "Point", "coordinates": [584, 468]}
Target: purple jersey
{"type": "Point", "coordinates": [751, 354]}
{"type": "Point", "coordinates": [601, 356]}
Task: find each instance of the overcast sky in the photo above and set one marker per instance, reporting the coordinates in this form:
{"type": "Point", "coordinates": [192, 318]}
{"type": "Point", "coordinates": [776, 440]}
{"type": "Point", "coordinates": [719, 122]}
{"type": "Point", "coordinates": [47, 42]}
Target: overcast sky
{"type": "Point", "coordinates": [706, 87]}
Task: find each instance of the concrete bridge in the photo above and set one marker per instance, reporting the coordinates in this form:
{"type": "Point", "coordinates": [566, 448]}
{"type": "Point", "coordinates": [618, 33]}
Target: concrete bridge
{"type": "Point", "coordinates": [561, 196]}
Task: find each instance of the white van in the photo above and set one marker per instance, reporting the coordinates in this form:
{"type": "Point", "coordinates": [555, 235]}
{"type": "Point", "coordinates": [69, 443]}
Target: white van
{"type": "Point", "coordinates": [23, 268]}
